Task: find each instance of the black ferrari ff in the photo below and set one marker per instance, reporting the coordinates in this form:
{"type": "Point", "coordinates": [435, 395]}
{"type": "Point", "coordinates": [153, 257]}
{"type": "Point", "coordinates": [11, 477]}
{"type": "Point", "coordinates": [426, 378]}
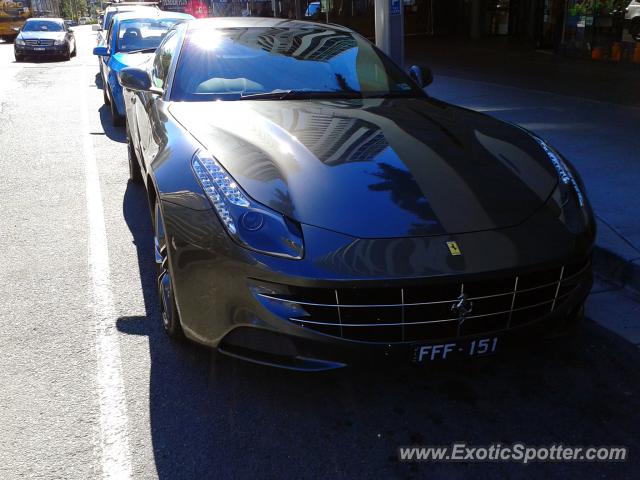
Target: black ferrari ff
{"type": "Point", "coordinates": [313, 206]}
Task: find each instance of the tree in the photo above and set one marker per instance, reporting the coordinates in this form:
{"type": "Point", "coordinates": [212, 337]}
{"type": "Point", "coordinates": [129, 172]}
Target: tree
{"type": "Point", "coordinates": [65, 9]}
{"type": "Point", "coordinates": [73, 9]}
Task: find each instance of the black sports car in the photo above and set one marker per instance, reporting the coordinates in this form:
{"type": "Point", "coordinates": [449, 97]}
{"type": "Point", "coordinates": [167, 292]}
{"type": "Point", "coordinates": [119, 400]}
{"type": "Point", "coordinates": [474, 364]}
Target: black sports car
{"type": "Point", "coordinates": [44, 37]}
{"type": "Point", "coordinates": [313, 206]}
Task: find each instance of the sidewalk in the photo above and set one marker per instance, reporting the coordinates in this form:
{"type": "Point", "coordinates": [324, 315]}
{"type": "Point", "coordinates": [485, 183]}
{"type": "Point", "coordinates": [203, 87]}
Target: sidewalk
{"type": "Point", "coordinates": [500, 61]}
{"type": "Point", "coordinates": [589, 111]}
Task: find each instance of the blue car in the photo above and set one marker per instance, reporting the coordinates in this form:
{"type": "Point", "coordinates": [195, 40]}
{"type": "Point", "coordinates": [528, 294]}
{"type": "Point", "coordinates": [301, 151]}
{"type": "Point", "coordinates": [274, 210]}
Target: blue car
{"type": "Point", "coordinates": [131, 40]}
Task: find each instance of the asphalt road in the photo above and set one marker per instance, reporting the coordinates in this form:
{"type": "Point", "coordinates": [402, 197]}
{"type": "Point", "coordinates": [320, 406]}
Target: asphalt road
{"type": "Point", "coordinates": [90, 387]}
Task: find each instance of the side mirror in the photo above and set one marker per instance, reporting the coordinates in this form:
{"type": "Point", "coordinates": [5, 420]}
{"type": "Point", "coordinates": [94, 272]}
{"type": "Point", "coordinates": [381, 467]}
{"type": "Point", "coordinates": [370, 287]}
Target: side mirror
{"type": "Point", "coordinates": [96, 27]}
{"type": "Point", "coordinates": [138, 80]}
{"type": "Point", "coordinates": [101, 51]}
{"type": "Point", "coordinates": [421, 75]}
{"type": "Point", "coordinates": [71, 30]}
{"type": "Point", "coordinates": [16, 29]}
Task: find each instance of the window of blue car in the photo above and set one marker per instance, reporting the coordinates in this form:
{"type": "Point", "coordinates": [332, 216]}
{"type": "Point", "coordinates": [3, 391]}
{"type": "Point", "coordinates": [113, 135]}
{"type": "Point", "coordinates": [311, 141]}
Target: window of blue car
{"type": "Point", "coordinates": [142, 34]}
{"type": "Point", "coordinates": [42, 26]}
{"type": "Point", "coordinates": [109, 35]}
{"type": "Point", "coordinates": [228, 64]}
{"type": "Point", "coordinates": [107, 19]}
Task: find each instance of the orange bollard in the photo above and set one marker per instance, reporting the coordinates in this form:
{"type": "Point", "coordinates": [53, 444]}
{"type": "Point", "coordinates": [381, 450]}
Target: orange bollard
{"type": "Point", "coordinates": [597, 53]}
{"type": "Point", "coordinates": [616, 52]}
{"type": "Point", "coordinates": [636, 54]}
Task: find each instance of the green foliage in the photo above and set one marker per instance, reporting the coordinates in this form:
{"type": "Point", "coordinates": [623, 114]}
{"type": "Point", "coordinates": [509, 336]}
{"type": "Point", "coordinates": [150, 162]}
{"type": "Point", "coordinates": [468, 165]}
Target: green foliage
{"type": "Point", "coordinates": [591, 7]}
{"type": "Point", "coordinates": [73, 9]}
{"type": "Point", "coordinates": [65, 9]}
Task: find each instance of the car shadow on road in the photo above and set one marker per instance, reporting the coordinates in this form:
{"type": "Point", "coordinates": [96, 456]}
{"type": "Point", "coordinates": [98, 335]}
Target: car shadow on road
{"type": "Point", "coordinates": [41, 61]}
{"type": "Point", "coordinates": [216, 417]}
{"type": "Point", "coordinates": [117, 134]}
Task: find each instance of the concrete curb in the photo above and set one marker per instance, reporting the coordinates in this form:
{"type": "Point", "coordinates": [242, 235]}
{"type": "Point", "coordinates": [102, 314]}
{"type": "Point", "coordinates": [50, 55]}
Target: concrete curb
{"type": "Point", "coordinates": [615, 260]}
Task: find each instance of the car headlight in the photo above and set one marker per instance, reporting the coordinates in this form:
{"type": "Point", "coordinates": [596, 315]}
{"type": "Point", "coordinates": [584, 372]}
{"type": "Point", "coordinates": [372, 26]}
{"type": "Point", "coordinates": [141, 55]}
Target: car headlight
{"type": "Point", "coordinates": [569, 196]}
{"type": "Point", "coordinates": [249, 223]}
{"type": "Point", "coordinates": [569, 183]}
{"type": "Point", "coordinates": [59, 42]}
{"type": "Point", "coordinates": [19, 41]}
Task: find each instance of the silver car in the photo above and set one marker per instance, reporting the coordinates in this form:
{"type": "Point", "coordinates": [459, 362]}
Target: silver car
{"type": "Point", "coordinates": [632, 18]}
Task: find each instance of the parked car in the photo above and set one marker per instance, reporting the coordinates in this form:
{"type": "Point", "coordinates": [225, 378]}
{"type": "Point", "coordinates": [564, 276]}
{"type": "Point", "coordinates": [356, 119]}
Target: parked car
{"type": "Point", "coordinates": [44, 36]}
{"type": "Point", "coordinates": [84, 20]}
{"type": "Point", "coordinates": [131, 38]}
{"type": "Point", "coordinates": [338, 213]}
{"type": "Point", "coordinates": [632, 18]}
{"type": "Point", "coordinates": [113, 9]}
{"type": "Point", "coordinates": [103, 27]}
{"type": "Point", "coordinates": [313, 10]}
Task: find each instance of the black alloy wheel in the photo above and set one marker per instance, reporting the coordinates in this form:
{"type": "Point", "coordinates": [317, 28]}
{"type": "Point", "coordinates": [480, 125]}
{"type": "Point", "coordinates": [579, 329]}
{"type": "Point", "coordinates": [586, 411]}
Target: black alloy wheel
{"type": "Point", "coordinates": [135, 174]}
{"type": "Point", "coordinates": [168, 308]}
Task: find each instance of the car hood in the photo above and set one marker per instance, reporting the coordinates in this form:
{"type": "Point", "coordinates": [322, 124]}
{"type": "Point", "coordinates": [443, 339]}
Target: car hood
{"type": "Point", "coordinates": [376, 168]}
{"type": "Point", "coordinates": [41, 35]}
{"type": "Point", "coordinates": [121, 60]}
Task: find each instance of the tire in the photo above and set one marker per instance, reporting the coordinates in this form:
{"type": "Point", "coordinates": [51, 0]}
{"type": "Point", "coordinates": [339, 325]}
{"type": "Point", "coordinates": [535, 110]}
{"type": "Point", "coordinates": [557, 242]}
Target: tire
{"type": "Point", "coordinates": [105, 97]}
{"type": "Point", "coordinates": [168, 308]}
{"type": "Point", "coordinates": [19, 58]}
{"type": "Point", "coordinates": [67, 56]}
{"type": "Point", "coordinates": [116, 118]}
{"type": "Point", "coordinates": [75, 50]}
{"type": "Point", "coordinates": [135, 174]}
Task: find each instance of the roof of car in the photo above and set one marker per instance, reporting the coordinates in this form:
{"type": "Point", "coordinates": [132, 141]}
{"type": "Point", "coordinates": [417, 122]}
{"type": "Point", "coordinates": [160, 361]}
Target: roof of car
{"type": "Point", "coordinates": [137, 15]}
{"type": "Point", "coordinates": [59, 20]}
{"type": "Point", "coordinates": [260, 22]}
{"type": "Point", "coordinates": [129, 7]}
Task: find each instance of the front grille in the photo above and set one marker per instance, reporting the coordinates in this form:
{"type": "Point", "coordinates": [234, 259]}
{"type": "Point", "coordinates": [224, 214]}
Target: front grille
{"type": "Point", "coordinates": [39, 43]}
{"type": "Point", "coordinates": [427, 312]}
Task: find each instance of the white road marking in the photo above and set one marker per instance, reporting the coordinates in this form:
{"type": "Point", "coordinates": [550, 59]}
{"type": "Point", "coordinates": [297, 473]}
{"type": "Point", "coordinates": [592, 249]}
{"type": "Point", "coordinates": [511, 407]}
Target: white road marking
{"type": "Point", "coordinates": [114, 435]}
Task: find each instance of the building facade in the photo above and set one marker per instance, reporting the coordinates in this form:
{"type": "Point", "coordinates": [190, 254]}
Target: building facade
{"type": "Point", "coordinates": [600, 29]}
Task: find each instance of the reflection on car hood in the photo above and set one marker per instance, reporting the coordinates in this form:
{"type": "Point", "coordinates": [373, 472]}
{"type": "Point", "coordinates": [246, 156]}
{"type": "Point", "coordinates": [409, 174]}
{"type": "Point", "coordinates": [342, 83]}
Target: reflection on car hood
{"type": "Point", "coordinates": [41, 35]}
{"type": "Point", "coordinates": [376, 168]}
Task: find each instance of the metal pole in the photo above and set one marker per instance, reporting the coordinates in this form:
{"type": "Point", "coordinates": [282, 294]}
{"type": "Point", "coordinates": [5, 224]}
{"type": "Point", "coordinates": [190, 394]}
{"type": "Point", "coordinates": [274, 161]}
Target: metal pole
{"type": "Point", "coordinates": [565, 17]}
{"type": "Point", "coordinates": [389, 23]}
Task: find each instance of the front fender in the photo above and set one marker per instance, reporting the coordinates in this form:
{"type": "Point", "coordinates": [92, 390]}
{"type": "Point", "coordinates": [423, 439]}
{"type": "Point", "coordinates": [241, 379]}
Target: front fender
{"type": "Point", "coordinates": [116, 92]}
{"type": "Point", "coordinates": [170, 165]}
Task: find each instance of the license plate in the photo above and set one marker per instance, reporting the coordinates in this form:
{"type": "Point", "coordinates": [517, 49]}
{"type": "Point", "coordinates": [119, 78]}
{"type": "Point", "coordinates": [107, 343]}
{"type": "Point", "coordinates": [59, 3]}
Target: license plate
{"type": "Point", "coordinates": [445, 351]}
{"type": "Point", "coordinates": [39, 49]}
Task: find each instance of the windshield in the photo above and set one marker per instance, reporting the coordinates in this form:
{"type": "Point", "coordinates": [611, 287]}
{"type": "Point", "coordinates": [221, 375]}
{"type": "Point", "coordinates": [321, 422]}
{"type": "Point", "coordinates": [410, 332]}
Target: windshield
{"type": "Point", "coordinates": [143, 34]}
{"type": "Point", "coordinates": [109, 15]}
{"type": "Point", "coordinates": [42, 26]}
{"type": "Point", "coordinates": [228, 64]}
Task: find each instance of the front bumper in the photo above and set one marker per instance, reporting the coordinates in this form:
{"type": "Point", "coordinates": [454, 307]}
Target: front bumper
{"type": "Point", "coordinates": [232, 299]}
{"type": "Point", "coordinates": [304, 354]}
{"type": "Point", "coordinates": [29, 51]}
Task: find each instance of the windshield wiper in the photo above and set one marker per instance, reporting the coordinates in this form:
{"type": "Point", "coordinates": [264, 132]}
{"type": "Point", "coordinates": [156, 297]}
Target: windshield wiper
{"type": "Point", "coordinates": [143, 50]}
{"type": "Point", "coordinates": [298, 94]}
